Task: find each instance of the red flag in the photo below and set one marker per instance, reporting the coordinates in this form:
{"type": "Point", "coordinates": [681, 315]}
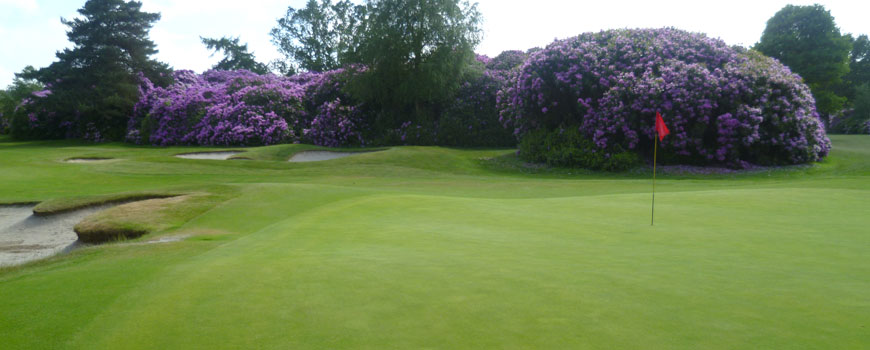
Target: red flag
{"type": "Point", "coordinates": [661, 128]}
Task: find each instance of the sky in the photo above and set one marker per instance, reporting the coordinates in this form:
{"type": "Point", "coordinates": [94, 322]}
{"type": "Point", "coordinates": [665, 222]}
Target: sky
{"type": "Point", "coordinates": [31, 31]}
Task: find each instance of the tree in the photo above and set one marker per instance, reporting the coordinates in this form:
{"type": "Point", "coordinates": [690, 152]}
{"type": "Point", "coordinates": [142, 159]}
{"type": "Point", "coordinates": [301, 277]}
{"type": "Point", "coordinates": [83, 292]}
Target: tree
{"type": "Point", "coordinates": [415, 52]}
{"type": "Point", "coordinates": [94, 85]}
{"type": "Point", "coordinates": [807, 39]}
{"type": "Point", "coordinates": [316, 38]}
{"type": "Point", "coordinates": [236, 56]}
{"type": "Point", "coordinates": [859, 62]}
{"type": "Point", "coordinates": [11, 98]}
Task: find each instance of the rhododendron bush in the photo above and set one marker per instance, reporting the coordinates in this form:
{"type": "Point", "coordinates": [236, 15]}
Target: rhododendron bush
{"type": "Point", "coordinates": [245, 108]}
{"type": "Point", "coordinates": [723, 105]}
{"type": "Point", "coordinates": [470, 119]}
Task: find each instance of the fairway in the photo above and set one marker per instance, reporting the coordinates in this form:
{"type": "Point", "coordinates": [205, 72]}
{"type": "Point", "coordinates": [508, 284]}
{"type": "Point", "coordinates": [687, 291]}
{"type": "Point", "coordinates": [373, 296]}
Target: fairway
{"type": "Point", "coordinates": [428, 247]}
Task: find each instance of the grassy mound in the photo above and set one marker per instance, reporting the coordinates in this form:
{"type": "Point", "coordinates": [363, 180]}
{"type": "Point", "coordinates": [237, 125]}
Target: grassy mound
{"type": "Point", "coordinates": [62, 205]}
{"type": "Point", "coordinates": [425, 247]}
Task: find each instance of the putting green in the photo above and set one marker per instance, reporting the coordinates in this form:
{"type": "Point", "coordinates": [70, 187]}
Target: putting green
{"type": "Point", "coordinates": [418, 247]}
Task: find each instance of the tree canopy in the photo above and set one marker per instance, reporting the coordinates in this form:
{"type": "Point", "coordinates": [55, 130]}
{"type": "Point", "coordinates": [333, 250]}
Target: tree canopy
{"type": "Point", "coordinates": [94, 84]}
{"type": "Point", "coordinates": [859, 61]}
{"type": "Point", "coordinates": [11, 98]}
{"type": "Point", "coordinates": [806, 39]}
{"type": "Point", "coordinates": [317, 37]}
{"type": "Point", "coordinates": [236, 55]}
{"type": "Point", "coordinates": [415, 52]}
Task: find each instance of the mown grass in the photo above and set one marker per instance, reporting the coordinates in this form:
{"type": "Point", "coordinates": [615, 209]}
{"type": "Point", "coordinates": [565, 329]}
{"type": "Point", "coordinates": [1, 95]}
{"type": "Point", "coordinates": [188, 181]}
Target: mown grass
{"type": "Point", "coordinates": [422, 247]}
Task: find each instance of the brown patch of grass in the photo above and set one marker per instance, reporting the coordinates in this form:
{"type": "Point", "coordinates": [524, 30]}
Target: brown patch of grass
{"type": "Point", "coordinates": [63, 205]}
{"type": "Point", "coordinates": [129, 220]}
{"type": "Point", "coordinates": [135, 219]}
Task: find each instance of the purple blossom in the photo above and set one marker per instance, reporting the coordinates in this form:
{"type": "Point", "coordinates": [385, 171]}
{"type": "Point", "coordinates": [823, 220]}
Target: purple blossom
{"type": "Point", "coordinates": [723, 105]}
{"type": "Point", "coordinates": [244, 108]}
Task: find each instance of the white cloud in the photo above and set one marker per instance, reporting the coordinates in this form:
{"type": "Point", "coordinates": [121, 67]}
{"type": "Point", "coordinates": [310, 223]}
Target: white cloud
{"type": "Point", "coordinates": [517, 24]}
{"type": "Point", "coordinates": [183, 22]}
{"type": "Point", "coordinates": [31, 32]}
{"type": "Point", "coordinates": [5, 76]}
{"type": "Point", "coordinates": [29, 6]}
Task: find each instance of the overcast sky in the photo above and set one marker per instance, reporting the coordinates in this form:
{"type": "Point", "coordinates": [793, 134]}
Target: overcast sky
{"type": "Point", "coordinates": [31, 32]}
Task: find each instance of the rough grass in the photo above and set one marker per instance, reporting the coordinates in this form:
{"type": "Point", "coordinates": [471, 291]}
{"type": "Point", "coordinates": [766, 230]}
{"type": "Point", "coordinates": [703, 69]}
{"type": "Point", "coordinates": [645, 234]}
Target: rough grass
{"type": "Point", "coordinates": [62, 205]}
{"type": "Point", "coordinates": [138, 218]}
{"type": "Point", "coordinates": [422, 247]}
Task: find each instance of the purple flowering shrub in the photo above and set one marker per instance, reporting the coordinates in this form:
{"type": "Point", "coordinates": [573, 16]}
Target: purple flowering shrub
{"type": "Point", "coordinates": [35, 118]}
{"type": "Point", "coordinates": [506, 61]}
{"type": "Point", "coordinates": [723, 105]}
{"type": "Point", "coordinates": [471, 119]}
{"type": "Point", "coordinates": [245, 108]}
{"type": "Point", "coordinates": [337, 118]}
{"type": "Point", "coordinates": [217, 108]}
{"type": "Point", "coordinates": [335, 124]}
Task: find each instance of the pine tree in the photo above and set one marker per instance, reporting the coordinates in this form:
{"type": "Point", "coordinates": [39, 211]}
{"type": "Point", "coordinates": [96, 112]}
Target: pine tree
{"type": "Point", "coordinates": [94, 84]}
{"type": "Point", "coordinates": [236, 55]}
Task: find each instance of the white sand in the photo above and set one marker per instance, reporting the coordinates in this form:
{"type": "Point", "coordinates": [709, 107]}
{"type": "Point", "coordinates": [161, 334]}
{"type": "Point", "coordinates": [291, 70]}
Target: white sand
{"type": "Point", "coordinates": [316, 156]}
{"type": "Point", "coordinates": [209, 155]}
{"type": "Point", "coordinates": [25, 237]}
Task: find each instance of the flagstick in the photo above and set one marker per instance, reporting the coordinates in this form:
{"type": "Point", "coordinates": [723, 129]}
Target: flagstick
{"type": "Point", "coordinates": [655, 151]}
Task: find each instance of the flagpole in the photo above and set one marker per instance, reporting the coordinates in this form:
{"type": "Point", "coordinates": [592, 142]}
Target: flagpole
{"type": "Point", "coordinates": [655, 154]}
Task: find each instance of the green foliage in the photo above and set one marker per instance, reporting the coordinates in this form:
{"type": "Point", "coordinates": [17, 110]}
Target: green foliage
{"type": "Point", "coordinates": [11, 98]}
{"type": "Point", "coordinates": [859, 66]}
{"type": "Point", "coordinates": [236, 55]}
{"type": "Point", "coordinates": [416, 52]}
{"type": "Point", "coordinates": [856, 120]}
{"type": "Point", "coordinates": [316, 38]}
{"type": "Point", "coordinates": [569, 148]}
{"type": "Point", "coordinates": [94, 84]}
{"type": "Point", "coordinates": [806, 39]}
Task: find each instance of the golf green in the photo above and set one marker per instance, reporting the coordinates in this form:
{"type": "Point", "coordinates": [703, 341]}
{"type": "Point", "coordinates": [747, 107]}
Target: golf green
{"type": "Point", "coordinates": [426, 247]}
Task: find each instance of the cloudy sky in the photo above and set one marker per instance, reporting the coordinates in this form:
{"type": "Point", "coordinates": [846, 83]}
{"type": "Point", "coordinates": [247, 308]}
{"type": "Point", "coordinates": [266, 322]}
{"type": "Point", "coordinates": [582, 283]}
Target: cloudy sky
{"type": "Point", "coordinates": [31, 32]}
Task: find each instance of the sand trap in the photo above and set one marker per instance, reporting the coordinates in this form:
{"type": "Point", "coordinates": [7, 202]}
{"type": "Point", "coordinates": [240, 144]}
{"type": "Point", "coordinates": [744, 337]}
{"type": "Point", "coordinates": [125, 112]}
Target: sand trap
{"type": "Point", "coordinates": [25, 237]}
{"type": "Point", "coordinates": [209, 155]}
{"type": "Point", "coordinates": [316, 156]}
{"type": "Point", "coordinates": [91, 160]}
{"type": "Point", "coordinates": [168, 239]}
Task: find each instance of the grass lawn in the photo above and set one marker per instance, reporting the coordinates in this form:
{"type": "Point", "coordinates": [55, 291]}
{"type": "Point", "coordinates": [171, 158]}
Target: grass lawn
{"type": "Point", "coordinates": [423, 247]}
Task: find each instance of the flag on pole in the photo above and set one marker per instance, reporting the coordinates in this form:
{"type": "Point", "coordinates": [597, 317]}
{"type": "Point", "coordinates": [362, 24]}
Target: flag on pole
{"type": "Point", "coordinates": [661, 128]}
{"type": "Point", "coordinates": [661, 131]}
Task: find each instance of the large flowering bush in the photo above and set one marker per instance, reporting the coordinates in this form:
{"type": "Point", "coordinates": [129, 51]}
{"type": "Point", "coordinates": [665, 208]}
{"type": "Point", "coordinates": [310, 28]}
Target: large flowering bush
{"type": "Point", "coordinates": [217, 108]}
{"type": "Point", "coordinates": [506, 61]}
{"type": "Point", "coordinates": [723, 105]}
{"type": "Point", "coordinates": [337, 118]}
{"type": "Point", "coordinates": [471, 118]}
{"type": "Point", "coordinates": [244, 108]}
{"type": "Point", "coordinates": [35, 117]}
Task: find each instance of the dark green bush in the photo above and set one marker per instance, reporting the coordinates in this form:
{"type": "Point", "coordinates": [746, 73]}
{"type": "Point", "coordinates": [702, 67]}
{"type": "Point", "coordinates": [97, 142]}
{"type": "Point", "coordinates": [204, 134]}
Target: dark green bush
{"type": "Point", "coordinates": [570, 148]}
{"type": "Point", "coordinates": [854, 121]}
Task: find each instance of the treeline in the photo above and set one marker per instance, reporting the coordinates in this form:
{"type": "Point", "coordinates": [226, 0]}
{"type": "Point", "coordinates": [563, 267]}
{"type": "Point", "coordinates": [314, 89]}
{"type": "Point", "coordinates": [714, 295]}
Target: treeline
{"type": "Point", "coordinates": [381, 72]}
{"type": "Point", "coordinates": [836, 66]}
{"type": "Point", "coordinates": [412, 58]}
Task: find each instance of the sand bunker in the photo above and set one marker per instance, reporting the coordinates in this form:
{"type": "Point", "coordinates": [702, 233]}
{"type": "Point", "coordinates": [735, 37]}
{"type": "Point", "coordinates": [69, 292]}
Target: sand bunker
{"type": "Point", "coordinates": [25, 237]}
{"type": "Point", "coordinates": [224, 155]}
{"type": "Point", "coordinates": [169, 239]}
{"type": "Point", "coordinates": [91, 160]}
{"type": "Point", "coordinates": [316, 156]}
